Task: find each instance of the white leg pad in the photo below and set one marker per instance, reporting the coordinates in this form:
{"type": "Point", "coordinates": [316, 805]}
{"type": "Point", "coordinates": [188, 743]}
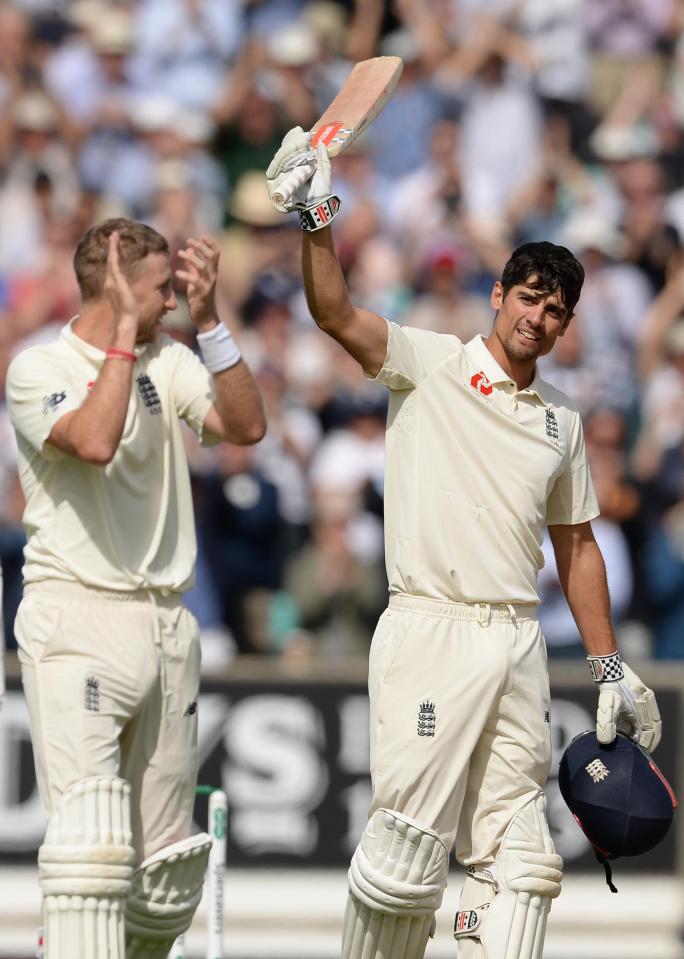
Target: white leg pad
{"type": "Point", "coordinates": [527, 877]}
{"type": "Point", "coordinates": [166, 891]}
{"type": "Point", "coordinates": [396, 883]}
{"type": "Point", "coordinates": [85, 866]}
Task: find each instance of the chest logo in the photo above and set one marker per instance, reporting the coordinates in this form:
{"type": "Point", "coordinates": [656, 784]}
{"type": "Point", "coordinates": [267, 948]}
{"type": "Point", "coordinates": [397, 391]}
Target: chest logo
{"type": "Point", "coordinates": [551, 425]}
{"type": "Point", "coordinates": [479, 382]}
{"type": "Point", "coordinates": [148, 393]}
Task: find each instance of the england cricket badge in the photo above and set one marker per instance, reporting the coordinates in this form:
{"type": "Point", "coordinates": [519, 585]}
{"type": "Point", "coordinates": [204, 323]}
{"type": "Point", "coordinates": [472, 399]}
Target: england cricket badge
{"type": "Point", "coordinates": [426, 719]}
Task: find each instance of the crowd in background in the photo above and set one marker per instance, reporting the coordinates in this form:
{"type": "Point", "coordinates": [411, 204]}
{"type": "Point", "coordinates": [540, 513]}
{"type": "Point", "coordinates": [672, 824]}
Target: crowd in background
{"type": "Point", "coordinates": [514, 120]}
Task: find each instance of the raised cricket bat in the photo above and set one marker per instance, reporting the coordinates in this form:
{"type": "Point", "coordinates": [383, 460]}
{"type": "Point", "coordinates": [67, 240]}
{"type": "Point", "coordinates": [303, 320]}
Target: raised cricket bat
{"type": "Point", "coordinates": [366, 91]}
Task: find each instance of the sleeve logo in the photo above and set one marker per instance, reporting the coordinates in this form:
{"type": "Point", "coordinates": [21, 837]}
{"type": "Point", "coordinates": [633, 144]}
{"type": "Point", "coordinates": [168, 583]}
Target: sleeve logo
{"type": "Point", "coordinates": [51, 402]}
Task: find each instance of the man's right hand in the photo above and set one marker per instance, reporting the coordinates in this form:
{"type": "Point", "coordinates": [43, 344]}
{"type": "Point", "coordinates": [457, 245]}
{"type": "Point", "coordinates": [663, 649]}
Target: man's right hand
{"type": "Point", "coordinates": [117, 288]}
{"type": "Point", "coordinates": [295, 153]}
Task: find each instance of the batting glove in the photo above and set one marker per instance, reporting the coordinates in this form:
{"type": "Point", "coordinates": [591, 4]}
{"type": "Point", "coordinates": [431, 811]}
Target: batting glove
{"type": "Point", "coordinates": [299, 178]}
{"type": "Point", "coordinates": [295, 153]}
{"type": "Point", "coordinates": [625, 704]}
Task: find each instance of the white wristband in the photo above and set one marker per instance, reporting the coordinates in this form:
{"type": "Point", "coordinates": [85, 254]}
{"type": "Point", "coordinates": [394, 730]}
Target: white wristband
{"type": "Point", "coordinates": [218, 348]}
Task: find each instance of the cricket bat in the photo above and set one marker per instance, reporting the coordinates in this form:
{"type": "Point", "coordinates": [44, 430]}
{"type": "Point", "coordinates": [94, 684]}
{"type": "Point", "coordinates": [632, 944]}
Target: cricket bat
{"type": "Point", "coordinates": [363, 96]}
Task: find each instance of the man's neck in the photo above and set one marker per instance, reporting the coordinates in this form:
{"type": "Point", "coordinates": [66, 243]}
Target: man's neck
{"type": "Point", "coordinates": [95, 325]}
{"type": "Point", "coordinates": [520, 371]}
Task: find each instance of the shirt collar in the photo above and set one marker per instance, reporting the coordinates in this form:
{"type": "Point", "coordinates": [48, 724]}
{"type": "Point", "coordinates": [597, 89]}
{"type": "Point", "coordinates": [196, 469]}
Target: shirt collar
{"type": "Point", "coordinates": [86, 349]}
{"type": "Point", "coordinates": [481, 359]}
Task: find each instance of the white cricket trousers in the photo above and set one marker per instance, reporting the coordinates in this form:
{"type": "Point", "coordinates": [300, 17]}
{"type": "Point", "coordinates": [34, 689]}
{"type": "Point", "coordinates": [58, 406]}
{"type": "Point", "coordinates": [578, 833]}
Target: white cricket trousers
{"type": "Point", "coordinates": [459, 713]}
{"type": "Point", "coordinates": [111, 682]}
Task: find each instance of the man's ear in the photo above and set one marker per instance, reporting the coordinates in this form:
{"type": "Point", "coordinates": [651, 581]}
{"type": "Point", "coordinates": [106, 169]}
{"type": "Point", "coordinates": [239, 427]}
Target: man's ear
{"type": "Point", "coordinates": [497, 295]}
{"type": "Point", "coordinates": [566, 325]}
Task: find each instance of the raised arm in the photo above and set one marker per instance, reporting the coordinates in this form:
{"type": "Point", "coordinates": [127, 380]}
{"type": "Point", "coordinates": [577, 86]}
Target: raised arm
{"type": "Point", "coordinates": [237, 414]}
{"type": "Point", "coordinates": [92, 433]}
{"type": "Point", "coordinates": [362, 333]}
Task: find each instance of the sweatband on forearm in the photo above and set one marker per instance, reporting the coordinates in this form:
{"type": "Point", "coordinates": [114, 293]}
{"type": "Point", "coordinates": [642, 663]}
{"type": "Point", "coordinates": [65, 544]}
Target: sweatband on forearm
{"type": "Point", "coordinates": [218, 348]}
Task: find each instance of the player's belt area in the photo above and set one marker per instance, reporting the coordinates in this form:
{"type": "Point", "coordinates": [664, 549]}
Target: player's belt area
{"type": "Point", "coordinates": [65, 589]}
{"type": "Point", "coordinates": [473, 612]}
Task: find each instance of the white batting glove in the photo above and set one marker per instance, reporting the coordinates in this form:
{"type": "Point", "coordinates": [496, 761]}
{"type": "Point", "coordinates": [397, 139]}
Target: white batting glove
{"type": "Point", "coordinates": [625, 704]}
{"type": "Point", "coordinates": [295, 153]}
{"type": "Point", "coordinates": [307, 173]}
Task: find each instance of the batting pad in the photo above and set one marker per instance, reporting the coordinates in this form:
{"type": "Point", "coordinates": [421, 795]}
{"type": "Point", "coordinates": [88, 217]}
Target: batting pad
{"type": "Point", "coordinates": [396, 882]}
{"type": "Point", "coordinates": [527, 876]}
{"type": "Point", "coordinates": [165, 893]}
{"type": "Point", "coordinates": [85, 869]}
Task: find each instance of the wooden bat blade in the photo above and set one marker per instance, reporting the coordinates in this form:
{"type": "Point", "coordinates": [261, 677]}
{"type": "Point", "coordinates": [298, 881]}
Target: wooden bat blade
{"type": "Point", "coordinates": [363, 96]}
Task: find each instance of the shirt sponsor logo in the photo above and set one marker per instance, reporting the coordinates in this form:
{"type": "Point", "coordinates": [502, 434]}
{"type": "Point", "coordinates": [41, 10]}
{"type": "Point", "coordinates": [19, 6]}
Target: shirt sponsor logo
{"type": "Point", "coordinates": [51, 402]}
{"type": "Point", "coordinates": [480, 382]}
{"type": "Point", "coordinates": [426, 719]}
{"type": "Point", "coordinates": [148, 393]}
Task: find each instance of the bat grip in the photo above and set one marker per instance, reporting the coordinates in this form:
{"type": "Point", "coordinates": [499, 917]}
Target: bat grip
{"type": "Point", "coordinates": [292, 182]}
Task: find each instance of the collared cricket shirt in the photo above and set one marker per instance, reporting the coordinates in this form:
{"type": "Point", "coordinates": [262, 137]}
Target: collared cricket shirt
{"type": "Point", "coordinates": [475, 469]}
{"type": "Point", "coordinates": [128, 525]}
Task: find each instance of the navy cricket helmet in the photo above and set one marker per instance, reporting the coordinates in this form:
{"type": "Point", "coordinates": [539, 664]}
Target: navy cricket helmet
{"type": "Point", "coordinates": [620, 799]}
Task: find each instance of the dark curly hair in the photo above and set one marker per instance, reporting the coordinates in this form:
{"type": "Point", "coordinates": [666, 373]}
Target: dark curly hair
{"type": "Point", "coordinates": [545, 267]}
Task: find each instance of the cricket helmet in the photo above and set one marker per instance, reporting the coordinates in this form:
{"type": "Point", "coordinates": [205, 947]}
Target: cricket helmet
{"type": "Point", "coordinates": [619, 797]}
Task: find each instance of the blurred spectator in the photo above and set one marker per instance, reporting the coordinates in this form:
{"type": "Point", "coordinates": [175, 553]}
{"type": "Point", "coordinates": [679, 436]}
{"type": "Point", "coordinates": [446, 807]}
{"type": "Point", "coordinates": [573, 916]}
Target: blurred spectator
{"type": "Point", "coordinates": [514, 120]}
{"type": "Point", "coordinates": [627, 42]}
{"type": "Point", "coordinates": [171, 144]}
{"type": "Point", "coordinates": [336, 591]}
{"type": "Point", "coordinates": [663, 569]}
{"type": "Point", "coordinates": [39, 182]}
{"type": "Point", "coordinates": [239, 527]}
{"type": "Point", "coordinates": [182, 47]}
{"type": "Point", "coordinates": [614, 299]}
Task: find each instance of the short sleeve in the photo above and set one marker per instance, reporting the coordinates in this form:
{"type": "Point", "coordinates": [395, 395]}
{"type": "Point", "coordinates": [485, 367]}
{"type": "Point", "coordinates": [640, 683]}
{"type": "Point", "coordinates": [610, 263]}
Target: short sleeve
{"type": "Point", "coordinates": [413, 354]}
{"type": "Point", "coordinates": [39, 392]}
{"type": "Point", "coordinates": [573, 499]}
{"type": "Point", "coordinates": [193, 391]}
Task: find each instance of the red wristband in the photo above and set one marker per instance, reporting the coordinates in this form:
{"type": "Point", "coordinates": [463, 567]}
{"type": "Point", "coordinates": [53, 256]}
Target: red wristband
{"type": "Point", "coordinates": [114, 354]}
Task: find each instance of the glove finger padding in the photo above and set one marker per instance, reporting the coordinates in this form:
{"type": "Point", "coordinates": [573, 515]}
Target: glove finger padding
{"type": "Point", "coordinates": [647, 712]}
{"type": "Point", "coordinates": [294, 142]}
{"type": "Point", "coordinates": [627, 705]}
{"type": "Point", "coordinates": [319, 187]}
{"type": "Point", "coordinates": [295, 154]}
{"type": "Point", "coordinates": [607, 713]}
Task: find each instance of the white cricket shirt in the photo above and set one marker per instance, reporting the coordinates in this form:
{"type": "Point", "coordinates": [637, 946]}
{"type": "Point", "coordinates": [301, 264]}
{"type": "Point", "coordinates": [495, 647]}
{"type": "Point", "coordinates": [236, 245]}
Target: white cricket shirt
{"type": "Point", "coordinates": [128, 525]}
{"type": "Point", "coordinates": [475, 469]}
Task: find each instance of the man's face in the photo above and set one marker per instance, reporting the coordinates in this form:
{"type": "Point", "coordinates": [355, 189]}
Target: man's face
{"type": "Point", "coordinates": [154, 294]}
{"type": "Point", "coordinates": [528, 321]}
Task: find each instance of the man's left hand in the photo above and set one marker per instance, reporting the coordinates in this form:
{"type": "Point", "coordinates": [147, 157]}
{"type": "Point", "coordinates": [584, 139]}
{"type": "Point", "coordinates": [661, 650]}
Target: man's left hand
{"type": "Point", "coordinates": [201, 258]}
{"type": "Point", "coordinates": [628, 706]}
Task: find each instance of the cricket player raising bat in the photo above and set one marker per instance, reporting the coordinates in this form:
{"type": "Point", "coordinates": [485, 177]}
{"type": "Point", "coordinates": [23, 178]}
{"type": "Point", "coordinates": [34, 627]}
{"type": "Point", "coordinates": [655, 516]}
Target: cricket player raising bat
{"type": "Point", "coordinates": [109, 655]}
{"type": "Point", "coordinates": [481, 455]}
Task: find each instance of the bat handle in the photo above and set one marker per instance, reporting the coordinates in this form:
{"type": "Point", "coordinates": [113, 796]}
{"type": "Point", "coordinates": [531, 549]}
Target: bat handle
{"type": "Point", "coordinates": [292, 182]}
